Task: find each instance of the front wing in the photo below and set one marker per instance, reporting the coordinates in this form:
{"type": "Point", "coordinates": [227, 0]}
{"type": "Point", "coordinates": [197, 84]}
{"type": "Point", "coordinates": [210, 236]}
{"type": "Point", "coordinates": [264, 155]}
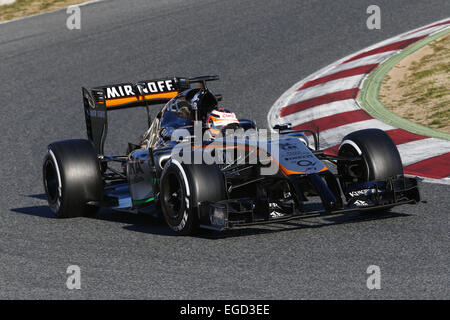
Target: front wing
{"type": "Point", "coordinates": [371, 196]}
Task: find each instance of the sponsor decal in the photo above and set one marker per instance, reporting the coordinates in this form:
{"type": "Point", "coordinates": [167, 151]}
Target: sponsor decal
{"type": "Point", "coordinates": [304, 163]}
{"type": "Point", "coordinates": [363, 192]}
{"type": "Point", "coordinates": [150, 87]}
{"type": "Point", "coordinates": [288, 146]}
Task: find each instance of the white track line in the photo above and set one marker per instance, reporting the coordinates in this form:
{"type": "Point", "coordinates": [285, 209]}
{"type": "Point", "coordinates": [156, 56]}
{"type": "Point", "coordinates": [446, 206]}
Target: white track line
{"type": "Point", "coordinates": [425, 32]}
{"type": "Point", "coordinates": [439, 181]}
{"type": "Point", "coordinates": [372, 59]}
{"type": "Point", "coordinates": [326, 88]}
{"type": "Point", "coordinates": [321, 111]}
{"type": "Point", "coordinates": [333, 137]}
{"type": "Point", "coordinates": [413, 152]}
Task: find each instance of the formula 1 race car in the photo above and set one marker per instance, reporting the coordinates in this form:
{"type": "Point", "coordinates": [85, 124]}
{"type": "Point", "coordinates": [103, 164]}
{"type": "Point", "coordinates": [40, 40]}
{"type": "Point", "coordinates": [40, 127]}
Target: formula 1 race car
{"type": "Point", "coordinates": [238, 177]}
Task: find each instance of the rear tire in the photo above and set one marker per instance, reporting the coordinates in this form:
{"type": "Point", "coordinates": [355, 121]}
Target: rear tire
{"type": "Point", "coordinates": [183, 187]}
{"type": "Point", "coordinates": [72, 178]}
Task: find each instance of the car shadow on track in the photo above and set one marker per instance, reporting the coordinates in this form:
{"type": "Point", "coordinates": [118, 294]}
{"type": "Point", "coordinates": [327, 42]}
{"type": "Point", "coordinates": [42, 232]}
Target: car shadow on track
{"type": "Point", "coordinates": [37, 211]}
{"type": "Point", "coordinates": [157, 226]}
{"type": "Point", "coordinates": [40, 196]}
{"type": "Point", "coordinates": [134, 222]}
{"type": "Point", "coordinates": [309, 223]}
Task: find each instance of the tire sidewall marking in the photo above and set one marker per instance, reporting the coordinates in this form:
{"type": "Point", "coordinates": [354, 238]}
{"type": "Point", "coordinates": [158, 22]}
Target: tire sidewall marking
{"type": "Point", "coordinates": [355, 146]}
{"type": "Point", "coordinates": [55, 207]}
{"type": "Point", "coordinates": [184, 220]}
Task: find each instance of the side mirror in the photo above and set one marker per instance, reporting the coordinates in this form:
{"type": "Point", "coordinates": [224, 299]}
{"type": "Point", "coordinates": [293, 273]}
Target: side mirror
{"type": "Point", "coordinates": [247, 124]}
{"type": "Point", "coordinates": [283, 126]}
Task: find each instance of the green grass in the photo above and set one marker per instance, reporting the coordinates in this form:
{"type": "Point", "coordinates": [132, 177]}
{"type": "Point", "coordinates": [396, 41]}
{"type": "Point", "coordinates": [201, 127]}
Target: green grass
{"type": "Point", "coordinates": [425, 90]}
{"type": "Point", "coordinates": [22, 8]}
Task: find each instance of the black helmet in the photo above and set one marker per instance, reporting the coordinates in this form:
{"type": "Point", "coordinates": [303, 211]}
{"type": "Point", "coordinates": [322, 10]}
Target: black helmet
{"type": "Point", "coordinates": [203, 99]}
{"type": "Point", "coordinates": [187, 106]}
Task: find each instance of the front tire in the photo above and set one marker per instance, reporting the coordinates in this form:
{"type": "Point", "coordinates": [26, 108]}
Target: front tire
{"type": "Point", "coordinates": [183, 187]}
{"type": "Point", "coordinates": [380, 158]}
{"type": "Point", "coordinates": [72, 178]}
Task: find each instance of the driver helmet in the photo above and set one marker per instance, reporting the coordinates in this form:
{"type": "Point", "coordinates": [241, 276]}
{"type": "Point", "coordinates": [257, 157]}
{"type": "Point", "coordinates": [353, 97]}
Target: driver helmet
{"type": "Point", "coordinates": [219, 118]}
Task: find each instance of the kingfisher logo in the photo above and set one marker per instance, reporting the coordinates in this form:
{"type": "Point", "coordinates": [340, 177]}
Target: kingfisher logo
{"type": "Point", "coordinates": [150, 87]}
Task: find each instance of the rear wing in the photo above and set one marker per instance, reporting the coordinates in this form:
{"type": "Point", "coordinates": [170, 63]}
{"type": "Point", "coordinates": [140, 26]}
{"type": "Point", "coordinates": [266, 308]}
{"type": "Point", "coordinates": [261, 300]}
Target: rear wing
{"type": "Point", "coordinates": [99, 100]}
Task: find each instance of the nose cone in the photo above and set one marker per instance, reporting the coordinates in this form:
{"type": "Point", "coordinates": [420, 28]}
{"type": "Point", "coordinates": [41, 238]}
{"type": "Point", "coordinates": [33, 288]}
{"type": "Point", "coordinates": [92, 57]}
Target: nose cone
{"type": "Point", "coordinates": [294, 157]}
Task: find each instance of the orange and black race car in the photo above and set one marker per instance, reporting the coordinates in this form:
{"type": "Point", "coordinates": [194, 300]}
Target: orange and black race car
{"type": "Point", "coordinates": [200, 166]}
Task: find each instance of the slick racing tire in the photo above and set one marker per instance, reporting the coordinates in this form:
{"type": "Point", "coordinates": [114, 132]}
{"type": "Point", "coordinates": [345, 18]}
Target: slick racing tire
{"type": "Point", "coordinates": [183, 187]}
{"type": "Point", "coordinates": [380, 158]}
{"type": "Point", "coordinates": [72, 178]}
